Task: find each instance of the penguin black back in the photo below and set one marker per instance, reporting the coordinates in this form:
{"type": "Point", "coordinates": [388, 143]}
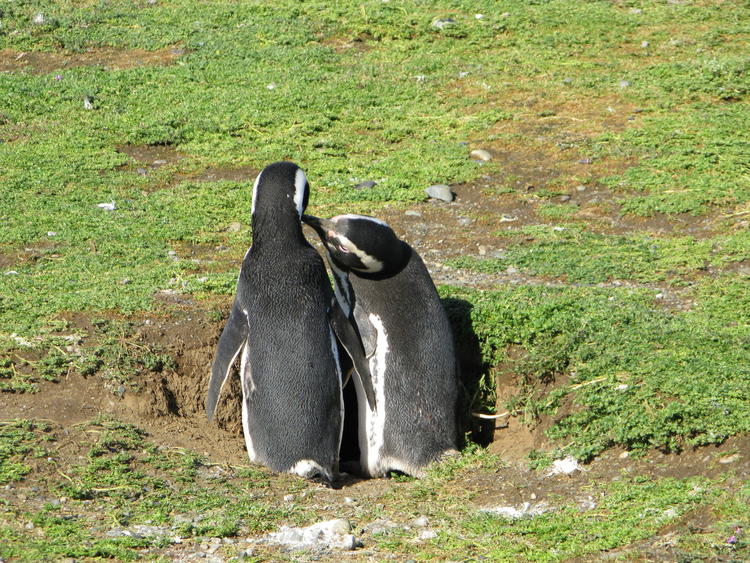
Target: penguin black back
{"type": "Point", "coordinates": [387, 290]}
{"type": "Point", "coordinates": [279, 325]}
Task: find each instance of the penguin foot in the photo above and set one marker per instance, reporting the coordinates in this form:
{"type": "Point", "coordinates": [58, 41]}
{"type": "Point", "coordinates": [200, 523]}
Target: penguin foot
{"type": "Point", "coordinates": [312, 470]}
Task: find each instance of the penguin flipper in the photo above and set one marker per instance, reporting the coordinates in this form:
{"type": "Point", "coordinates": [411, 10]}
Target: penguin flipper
{"type": "Point", "coordinates": [233, 337]}
{"type": "Point", "coordinates": [350, 339]}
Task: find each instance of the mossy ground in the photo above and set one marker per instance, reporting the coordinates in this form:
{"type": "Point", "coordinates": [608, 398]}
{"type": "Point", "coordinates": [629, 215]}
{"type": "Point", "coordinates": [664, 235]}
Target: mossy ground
{"type": "Point", "coordinates": [615, 288]}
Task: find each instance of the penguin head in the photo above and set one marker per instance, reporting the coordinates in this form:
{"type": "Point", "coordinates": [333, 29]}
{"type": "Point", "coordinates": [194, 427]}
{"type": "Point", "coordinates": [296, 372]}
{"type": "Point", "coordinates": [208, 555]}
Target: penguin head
{"type": "Point", "coordinates": [280, 191]}
{"type": "Point", "coordinates": [356, 242]}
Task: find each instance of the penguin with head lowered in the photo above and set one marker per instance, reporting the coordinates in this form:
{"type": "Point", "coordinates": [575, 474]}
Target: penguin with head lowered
{"type": "Point", "coordinates": [384, 287]}
{"type": "Point", "coordinates": [281, 322]}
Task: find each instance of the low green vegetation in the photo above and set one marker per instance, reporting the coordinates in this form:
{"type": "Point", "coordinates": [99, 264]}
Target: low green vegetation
{"type": "Point", "coordinates": [579, 256]}
{"type": "Point", "coordinates": [130, 135]}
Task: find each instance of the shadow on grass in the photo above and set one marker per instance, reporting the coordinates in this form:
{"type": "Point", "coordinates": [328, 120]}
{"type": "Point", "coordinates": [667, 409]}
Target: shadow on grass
{"type": "Point", "coordinates": [477, 391]}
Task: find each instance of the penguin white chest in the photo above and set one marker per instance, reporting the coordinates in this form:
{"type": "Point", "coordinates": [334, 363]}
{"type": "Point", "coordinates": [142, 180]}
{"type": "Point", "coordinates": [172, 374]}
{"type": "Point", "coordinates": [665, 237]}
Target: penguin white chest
{"type": "Point", "coordinates": [378, 362]}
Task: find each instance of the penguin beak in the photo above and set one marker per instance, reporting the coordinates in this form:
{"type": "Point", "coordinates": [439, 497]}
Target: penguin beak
{"type": "Point", "coordinates": [322, 226]}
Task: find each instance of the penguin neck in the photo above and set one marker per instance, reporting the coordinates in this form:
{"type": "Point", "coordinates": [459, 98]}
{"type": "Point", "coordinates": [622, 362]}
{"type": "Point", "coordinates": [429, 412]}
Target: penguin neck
{"type": "Point", "coordinates": [274, 229]}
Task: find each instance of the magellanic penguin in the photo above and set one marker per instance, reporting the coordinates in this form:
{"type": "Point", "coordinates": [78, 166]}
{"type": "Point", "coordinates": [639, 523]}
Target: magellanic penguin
{"type": "Point", "coordinates": [281, 324]}
{"type": "Point", "coordinates": [383, 285]}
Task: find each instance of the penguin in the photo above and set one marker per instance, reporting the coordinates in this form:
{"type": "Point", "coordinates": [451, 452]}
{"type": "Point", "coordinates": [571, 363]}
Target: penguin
{"type": "Point", "coordinates": [282, 324]}
{"type": "Point", "coordinates": [384, 288]}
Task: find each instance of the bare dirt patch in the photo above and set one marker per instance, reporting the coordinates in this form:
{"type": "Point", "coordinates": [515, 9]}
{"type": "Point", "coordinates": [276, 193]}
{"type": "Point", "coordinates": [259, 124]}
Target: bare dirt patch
{"type": "Point", "coordinates": [108, 57]}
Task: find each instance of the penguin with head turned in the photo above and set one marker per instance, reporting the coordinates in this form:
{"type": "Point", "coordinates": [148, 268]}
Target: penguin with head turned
{"type": "Point", "coordinates": [281, 326]}
{"type": "Point", "coordinates": [383, 286]}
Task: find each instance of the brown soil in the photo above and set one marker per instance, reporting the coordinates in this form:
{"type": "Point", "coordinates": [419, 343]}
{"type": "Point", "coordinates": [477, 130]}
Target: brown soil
{"type": "Point", "coordinates": [107, 57]}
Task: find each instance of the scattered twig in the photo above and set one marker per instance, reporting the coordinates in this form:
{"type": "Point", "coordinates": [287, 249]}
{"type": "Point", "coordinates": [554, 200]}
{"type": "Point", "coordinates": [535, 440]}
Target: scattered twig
{"type": "Point", "coordinates": [490, 416]}
{"type": "Point", "coordinates": [597, 380]}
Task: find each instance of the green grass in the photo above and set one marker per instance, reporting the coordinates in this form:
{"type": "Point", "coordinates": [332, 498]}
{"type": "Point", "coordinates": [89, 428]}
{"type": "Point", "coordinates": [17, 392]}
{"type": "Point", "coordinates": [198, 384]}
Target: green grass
{"type": "Point", "coordinates": [656, 94]}
{"type": "Point", "coordinates": [580, 256]}
{"type": "Point", "coordinates": [125, 480]}
{"type": "Point", "coordinates": [636, 376]}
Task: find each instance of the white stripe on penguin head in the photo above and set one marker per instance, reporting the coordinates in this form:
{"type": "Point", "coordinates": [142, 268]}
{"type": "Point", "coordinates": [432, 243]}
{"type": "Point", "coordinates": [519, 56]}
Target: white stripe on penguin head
{"type": "Point", "coordinates": [255, 192]}
{"type": "Point", "coordinates": [300, 188]}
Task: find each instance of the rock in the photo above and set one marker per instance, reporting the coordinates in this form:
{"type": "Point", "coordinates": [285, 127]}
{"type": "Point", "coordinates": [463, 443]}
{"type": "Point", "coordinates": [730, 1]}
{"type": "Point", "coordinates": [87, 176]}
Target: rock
{"type": "Point", "coordinates": [566, 466]}
{"type": "Point", "coordinates": [427, 535]}
{"type": "Point", "coordinates": [480, 154]}
{"type": "Point", "coordinates": [564, 198]}
{"type": "Point", "coordinates": [624, 83]}
{"type": "Point", "coordinates": [585, 161]}
{"type": "Point", "coordinates": [141, 171]}
{"type": "Point", "coordinates": [644, 44]}
{"type": "Point", "coordinates": [441, 192]}
{"type": "Point", "coordinates": [412, 213]}
{"type": "Point", "coordinates": [513, 513]}
{"type": "Point", "coordinates": [366, 185]}
{"type": "Point", "coordinates": [380, 526]}
{"type": "Point", "coordinates": [421, 522]}
{"type": "Point", "coordinates": [465, 221]}
{"type": "Point", "coordinates": [581, 188]}
{"type": "Point", "coordinates": [38, 19]}
{"type": "Point", "coordinates": [729, 458]}
{"type": "Point", "coordinates": [107, 206]}
{"type": "Point", "coordinates": [234, 227]}
{"type": "Point", "coordinates": [331, 534]}
{"type": "Point", "coordinates": [444, 22]}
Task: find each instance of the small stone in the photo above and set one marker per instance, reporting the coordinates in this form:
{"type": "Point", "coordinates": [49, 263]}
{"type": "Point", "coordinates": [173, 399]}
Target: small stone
{"type": "Point", "coordinates": [29, 525]}
{"type": "Point", "coordinates": [332, 534]}
{"type": "Point", "coordinates": [482, 250]}
{"type": "Point", "coordinates": [624, 83]}
{"type": "Point", "coordinates": [729, 458]}
{"type": "Point", "coordinates": [581, 188]}
{"type": "Point", "coordinates": [567, 80]}
{"type": "Point", "coordinates": [480, 154]}
{"type": "Point", "coordinates": [564, 466]}
{"type": "Point", "coordinates": [585, 161]}
{"type": "Point", "coordinates": [348, 500]}
{"type": "Point", "coordinates": [107, 206]}
{"type": "Point", "coordinates": [564, 198]}
{"type": "Point", "coordinates": [51, 234]}
{"type": "Point", "coordinates": [441, 192]}
{"type": "Point", "coordinates": [508, 218]}
{"type": "Point", "coordinates": [366, 185]}
{"type": "Point", "coordinates": [636, 11]}
{"type": "Point", "coordinates": [670, 513]}
{"type": "Point", "coordinates": [38, 19]}
{"type": "Point", "coordinates": [443, 23]}
{"type": "Point", "coordinates": [644, 44]}
{"type": "Point", "coordinates": [421, 522]}
{"type": "Point", "coordinates": [141, 171]}
{"type": "Point", "coordinates": [624, 455]}
{"type": "Point", "coordinates": [465, 221]}
{"type": "Point", "coordinates": [234, 227]}
{"type": "Point", "coordinates": [532, 496]}
{"type": "Point", "coordinates": [159, 162]}
{"type": "Point", "coordinates": [125, 281]}
{"type": "Point", "coordinates": [412, 213]}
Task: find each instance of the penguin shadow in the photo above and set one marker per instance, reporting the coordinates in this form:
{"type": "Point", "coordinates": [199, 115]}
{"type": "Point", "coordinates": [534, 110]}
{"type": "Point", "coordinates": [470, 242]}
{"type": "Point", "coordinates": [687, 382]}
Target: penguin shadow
{"type": "Point", "coordinates": [472, 369]}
